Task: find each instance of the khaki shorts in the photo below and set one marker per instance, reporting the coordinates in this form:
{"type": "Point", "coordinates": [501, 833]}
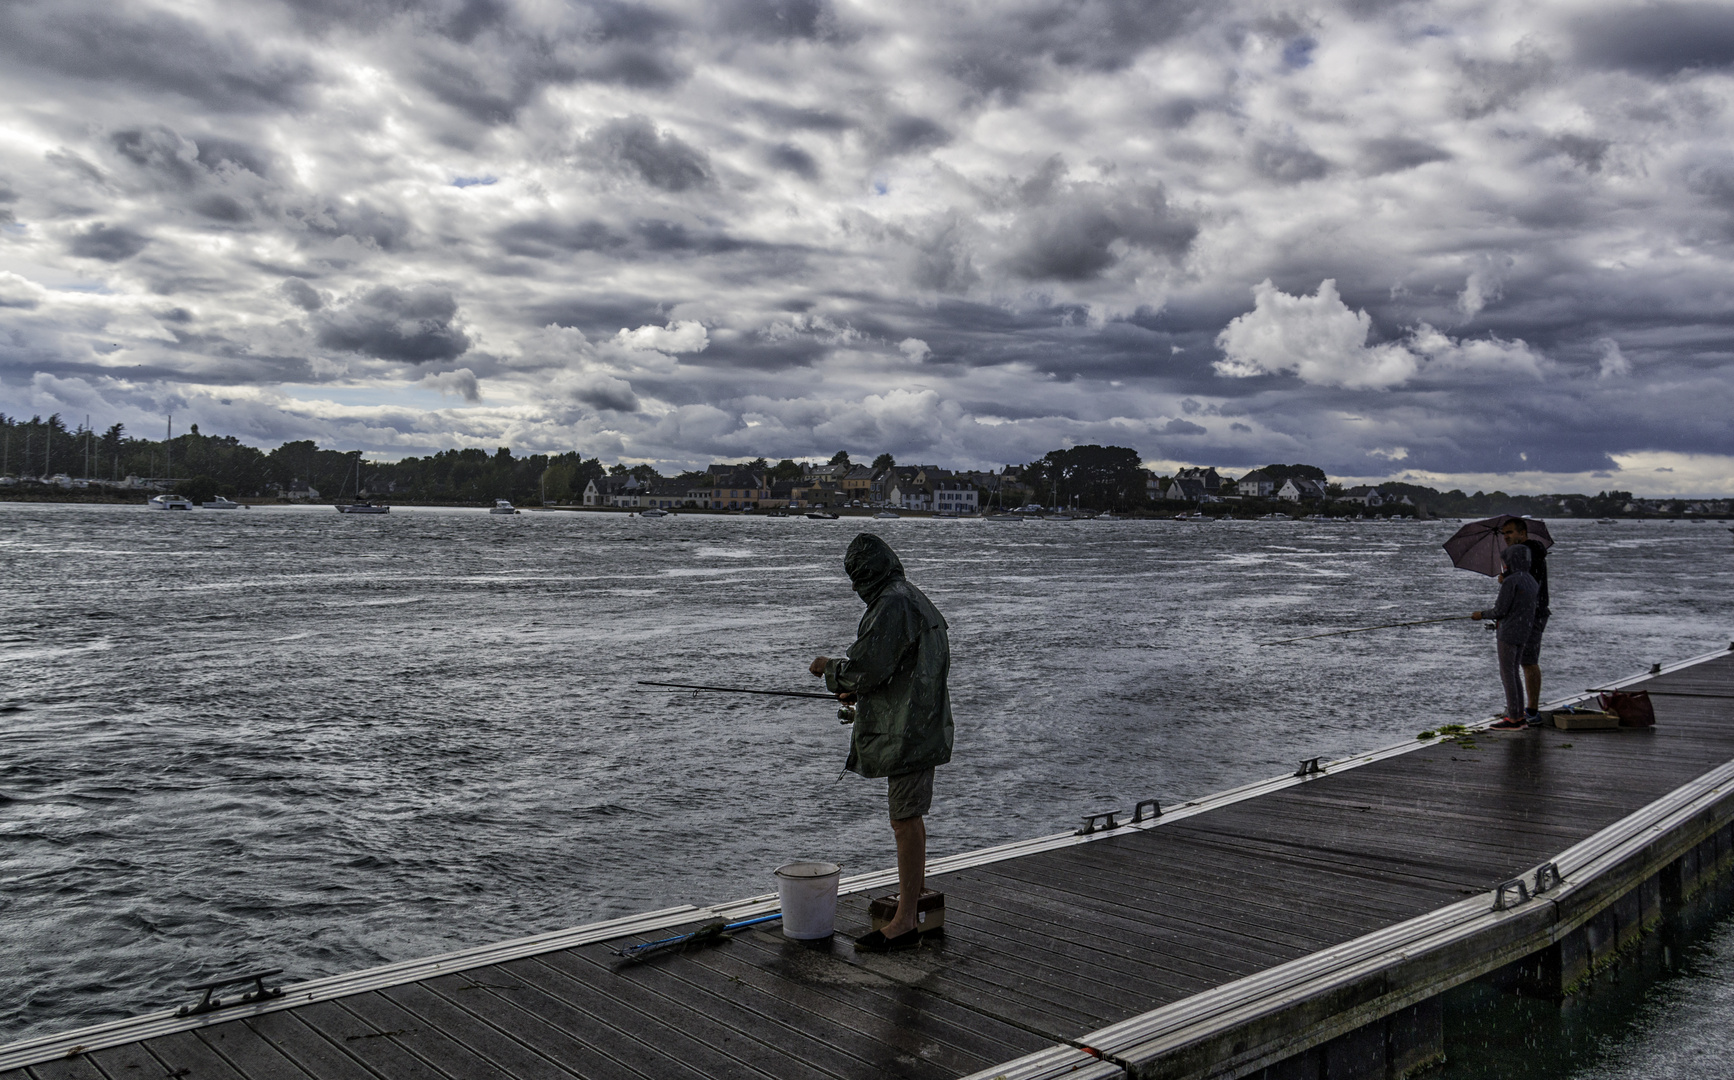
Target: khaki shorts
{"type": "Point", "coordinates": [911, 795]}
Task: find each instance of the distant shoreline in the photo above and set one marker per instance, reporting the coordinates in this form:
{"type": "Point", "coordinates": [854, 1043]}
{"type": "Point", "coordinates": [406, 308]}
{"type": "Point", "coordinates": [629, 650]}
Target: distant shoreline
{"type": "Point", "coordinates": [867, 513]}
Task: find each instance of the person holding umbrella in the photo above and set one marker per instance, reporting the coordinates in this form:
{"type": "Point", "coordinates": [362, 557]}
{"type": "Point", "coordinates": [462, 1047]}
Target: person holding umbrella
{"type": "Point", "coordinates": [1514, 611]}
{"type": "Point", "coordinates": [1516, 531]}
{"type": "Point", "coordinates": [1483, 546]}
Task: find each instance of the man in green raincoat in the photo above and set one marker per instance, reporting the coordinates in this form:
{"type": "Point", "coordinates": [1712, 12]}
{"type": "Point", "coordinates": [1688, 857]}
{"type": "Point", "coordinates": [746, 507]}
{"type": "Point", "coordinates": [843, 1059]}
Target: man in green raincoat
{"type": "Point", "coordinates": [895, 676]}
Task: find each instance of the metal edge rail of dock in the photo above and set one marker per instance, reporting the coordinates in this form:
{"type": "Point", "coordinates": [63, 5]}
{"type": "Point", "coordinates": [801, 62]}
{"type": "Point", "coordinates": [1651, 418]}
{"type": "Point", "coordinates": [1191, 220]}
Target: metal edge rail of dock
{"type": "Point", "coordinates": [1560, 916]}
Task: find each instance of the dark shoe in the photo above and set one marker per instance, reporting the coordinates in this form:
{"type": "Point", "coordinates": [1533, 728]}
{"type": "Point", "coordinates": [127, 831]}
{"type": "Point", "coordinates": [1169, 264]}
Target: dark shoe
{"type": "Point", "coordinates": [874, 941]}
{"type": "Point", "coordinates": [1509, 723]}
{"type": "Point", "coordinates": [1533, 719]}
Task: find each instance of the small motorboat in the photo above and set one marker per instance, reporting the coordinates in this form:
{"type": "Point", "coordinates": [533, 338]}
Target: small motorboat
{"type": "Point", "coordinates": [221, 503]}
{"type": "Point", "coordinates": [169, 502]}
{"type": "Point", "coordinates": [1005, 517]}
{"type": "Point", "coordinates": [653, 512]}
{"type": "Point", "coordinates": [886, 515]}
{"type": "Point", "coordinates": [502, 506]}
{"type": "Point", "coordinates": [821, 515]}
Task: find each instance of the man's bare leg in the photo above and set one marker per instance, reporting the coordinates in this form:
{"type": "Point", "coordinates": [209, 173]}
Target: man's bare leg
{"type": "Point", "coordinates": [1532, 684]}
{"type": "Point", "coordinates": [911, 836]}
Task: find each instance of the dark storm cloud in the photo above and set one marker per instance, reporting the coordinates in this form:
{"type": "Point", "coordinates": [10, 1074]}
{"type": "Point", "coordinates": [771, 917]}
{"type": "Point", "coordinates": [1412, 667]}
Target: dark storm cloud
{"type": "Point", "coordinates": [1494, 83]}
{"type": "Point", "coordinates": [633, 145]}
{"type": "Point", "coordinates": [1288, 161]}
{"type": "Point", "coordinates": [1658, 39]}
{"type": "Point", "coordinates": [1398, 153]}
{"type": "Point", "coordinates": [546, 239]}
{"type": "Point", "coordinates": [793, 159]}
{"type": "Point", "coordinates": [1074, 232]}
{"type": "Point", "coordinates": [774, 19]}
{"type": "Point", "coordinates": [412, 325]}
{"type": "Point", "coordinates": [801, 119]}
{"type": "Point", "coordinates": [909, 134]}
{"type": "Point", "coordinates": [384, 230]}
{"type": "Point", "coordinates": [110, 243]}
{"type": "Point", "coordinates": [1010, 52]}
{"type": "Point", "coordinates": [1585, 151]}
{"type": "Point", "coordinates": [610, 395]}
{"type": "Point", "coordinates": [153, 51]}
{"type": "Point", "coordinates": [303, 295]}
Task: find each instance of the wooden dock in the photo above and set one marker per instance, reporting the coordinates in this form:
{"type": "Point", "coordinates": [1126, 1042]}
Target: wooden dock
{"type": "Point", "coordinates": [1304, 926]}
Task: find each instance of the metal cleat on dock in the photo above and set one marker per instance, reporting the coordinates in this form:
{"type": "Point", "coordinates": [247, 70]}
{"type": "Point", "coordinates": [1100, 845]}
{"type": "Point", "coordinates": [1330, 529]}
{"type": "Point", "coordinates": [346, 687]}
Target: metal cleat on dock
{"type": "Point", "coordinates": [1515, 885]}
{"type": "Point", "coordinates": [211, 1004]}
{"type": "Point", "coordinates": [1090, 826]}
{"type": "Point", "coordinates": [1310, 767]}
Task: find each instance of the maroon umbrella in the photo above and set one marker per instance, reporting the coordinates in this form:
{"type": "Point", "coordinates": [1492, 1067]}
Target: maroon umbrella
{"type": "Point", "coordinates": [1477, 545]}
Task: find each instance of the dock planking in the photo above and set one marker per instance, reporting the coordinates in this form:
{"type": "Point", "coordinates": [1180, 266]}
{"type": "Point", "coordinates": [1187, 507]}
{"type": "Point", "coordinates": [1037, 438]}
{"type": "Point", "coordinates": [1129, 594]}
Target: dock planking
{"type": "Point", "coordinates": [1040, 948]}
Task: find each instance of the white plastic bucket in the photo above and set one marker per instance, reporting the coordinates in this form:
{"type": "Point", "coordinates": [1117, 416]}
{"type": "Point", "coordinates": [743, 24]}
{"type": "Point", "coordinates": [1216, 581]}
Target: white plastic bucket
{"type": "Point", "coordinates": [808, 891]}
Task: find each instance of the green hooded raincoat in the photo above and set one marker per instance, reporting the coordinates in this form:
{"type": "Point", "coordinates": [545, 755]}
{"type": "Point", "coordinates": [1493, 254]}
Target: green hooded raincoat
{"type": "Point", "coordinates": [896, 668]}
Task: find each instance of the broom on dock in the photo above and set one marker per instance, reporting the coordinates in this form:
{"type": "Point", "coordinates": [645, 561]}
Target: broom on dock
{"type": "Point", "coordinates": [716, 931]}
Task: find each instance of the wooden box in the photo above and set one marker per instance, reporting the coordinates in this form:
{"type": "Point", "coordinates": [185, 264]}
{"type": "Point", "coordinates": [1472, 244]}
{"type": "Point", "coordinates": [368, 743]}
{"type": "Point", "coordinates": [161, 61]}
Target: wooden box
{"type": "Point", "coordinates": [1584, 720]}
{"type": "Point", "coordinates": [929, 911]}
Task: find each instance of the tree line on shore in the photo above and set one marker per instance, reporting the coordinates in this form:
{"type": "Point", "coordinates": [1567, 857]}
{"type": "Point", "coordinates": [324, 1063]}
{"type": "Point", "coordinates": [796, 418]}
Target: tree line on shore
{"type": "Point", "coordinates": [1097, 477]}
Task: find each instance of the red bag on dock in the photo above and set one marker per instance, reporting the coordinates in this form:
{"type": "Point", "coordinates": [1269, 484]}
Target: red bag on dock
{"type": "Point", "coordinates": [1631, 706]}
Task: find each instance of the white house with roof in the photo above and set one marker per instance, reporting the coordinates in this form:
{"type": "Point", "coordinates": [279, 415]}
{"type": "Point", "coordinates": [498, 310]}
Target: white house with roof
{"type": "Point", "coordinates": [1298, 488]}
{"type": "Point", "coordinates": [951, 497]}
{"type": "Point", "coordinates": [908, 495]}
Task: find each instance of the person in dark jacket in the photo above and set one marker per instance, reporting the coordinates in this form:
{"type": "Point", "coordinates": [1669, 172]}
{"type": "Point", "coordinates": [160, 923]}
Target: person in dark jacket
{"type": "Point", "coordinates": [1516, 531]}
{"type": "Point", "coordinates": [1514, 611]}
{"type": "Point", "coordinates": [895, 676]}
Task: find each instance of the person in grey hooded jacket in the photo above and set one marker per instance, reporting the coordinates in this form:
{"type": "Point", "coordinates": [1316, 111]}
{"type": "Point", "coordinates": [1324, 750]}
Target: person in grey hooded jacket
{"type": "Point", "coordinates": [895, 674]}
{"type": "Point", "coordinates": [1515, 612]}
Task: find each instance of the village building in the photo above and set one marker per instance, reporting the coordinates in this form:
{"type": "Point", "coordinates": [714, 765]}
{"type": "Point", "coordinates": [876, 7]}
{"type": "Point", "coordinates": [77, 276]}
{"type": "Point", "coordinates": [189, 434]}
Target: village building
{"type": "Point", "coordinates": [1185, 489]}
{"type": "Point", "coordinates": [782, 495]}
{"type": "Point", "coordinates": [1209, 478]}
{"type": "Point", "coordinates": [1299, 488]}
{"type": "Point", "coordinates": [816, 493]}
{"type": "Point", "coordinates": [739, 490]}
{"type": "Point", "coordinates": [955, 498]}
{"type": "Point", "coordinates": [910, 496]}
{"type": "Point", "coordinates": [857, 484]}
{"type": "Point", "coordinates": [1256, 484]}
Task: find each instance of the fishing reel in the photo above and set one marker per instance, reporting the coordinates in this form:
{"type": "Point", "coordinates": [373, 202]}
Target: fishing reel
{"type": "Point", "coordinates": [846, 714]}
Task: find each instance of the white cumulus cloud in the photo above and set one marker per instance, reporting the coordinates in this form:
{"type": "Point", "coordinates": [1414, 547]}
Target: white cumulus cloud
{"type": "Point", "coordinates": [1316, 337]}
{"type": "Point", "coordinates": [676, 337]}
{"type": "Point", "coordinates": [1324, 342]}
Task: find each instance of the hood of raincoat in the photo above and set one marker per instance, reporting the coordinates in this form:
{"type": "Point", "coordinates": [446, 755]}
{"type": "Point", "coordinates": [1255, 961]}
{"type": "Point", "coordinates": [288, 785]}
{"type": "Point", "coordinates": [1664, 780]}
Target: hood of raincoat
{"type": "Point", "coordinates": [1516, 557]}
{"type": "Point", "coordinates": [871, 566]}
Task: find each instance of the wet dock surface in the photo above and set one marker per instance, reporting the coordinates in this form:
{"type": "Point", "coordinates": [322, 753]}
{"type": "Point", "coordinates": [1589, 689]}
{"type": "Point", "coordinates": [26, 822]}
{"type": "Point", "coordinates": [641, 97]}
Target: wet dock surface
{"type": "Point", "coordinates": [1039, 949]}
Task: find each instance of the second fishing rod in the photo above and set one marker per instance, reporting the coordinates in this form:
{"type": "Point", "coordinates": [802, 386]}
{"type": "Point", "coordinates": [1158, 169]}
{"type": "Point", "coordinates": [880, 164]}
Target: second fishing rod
{"type": "Point", "coordinates": [845, 714]}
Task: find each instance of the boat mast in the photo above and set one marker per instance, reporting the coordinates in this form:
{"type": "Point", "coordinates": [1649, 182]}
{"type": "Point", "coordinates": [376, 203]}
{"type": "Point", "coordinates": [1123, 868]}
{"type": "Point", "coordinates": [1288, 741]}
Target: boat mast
{"type": "Point", "coordinates": [169, 448]}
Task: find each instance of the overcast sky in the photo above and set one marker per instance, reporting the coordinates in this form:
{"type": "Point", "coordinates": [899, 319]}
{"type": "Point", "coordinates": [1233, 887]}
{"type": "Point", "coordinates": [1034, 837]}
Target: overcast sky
{"type": "Point", "coordinates": [1478, 243]}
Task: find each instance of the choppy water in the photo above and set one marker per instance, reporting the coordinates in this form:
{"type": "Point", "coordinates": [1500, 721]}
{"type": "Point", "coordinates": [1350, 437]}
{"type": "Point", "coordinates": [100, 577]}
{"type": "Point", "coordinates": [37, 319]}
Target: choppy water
{"type": "Point", "coordinates": [286, 737]}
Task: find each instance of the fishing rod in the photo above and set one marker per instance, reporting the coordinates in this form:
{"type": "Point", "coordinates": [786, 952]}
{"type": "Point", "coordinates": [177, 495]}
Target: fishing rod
{"type": "Point", "coordinates": [739, 690]}
{"type": "Point", "coordinates": [635, 953]}
{"type": "Point", "coordinates": [1364, 629]}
